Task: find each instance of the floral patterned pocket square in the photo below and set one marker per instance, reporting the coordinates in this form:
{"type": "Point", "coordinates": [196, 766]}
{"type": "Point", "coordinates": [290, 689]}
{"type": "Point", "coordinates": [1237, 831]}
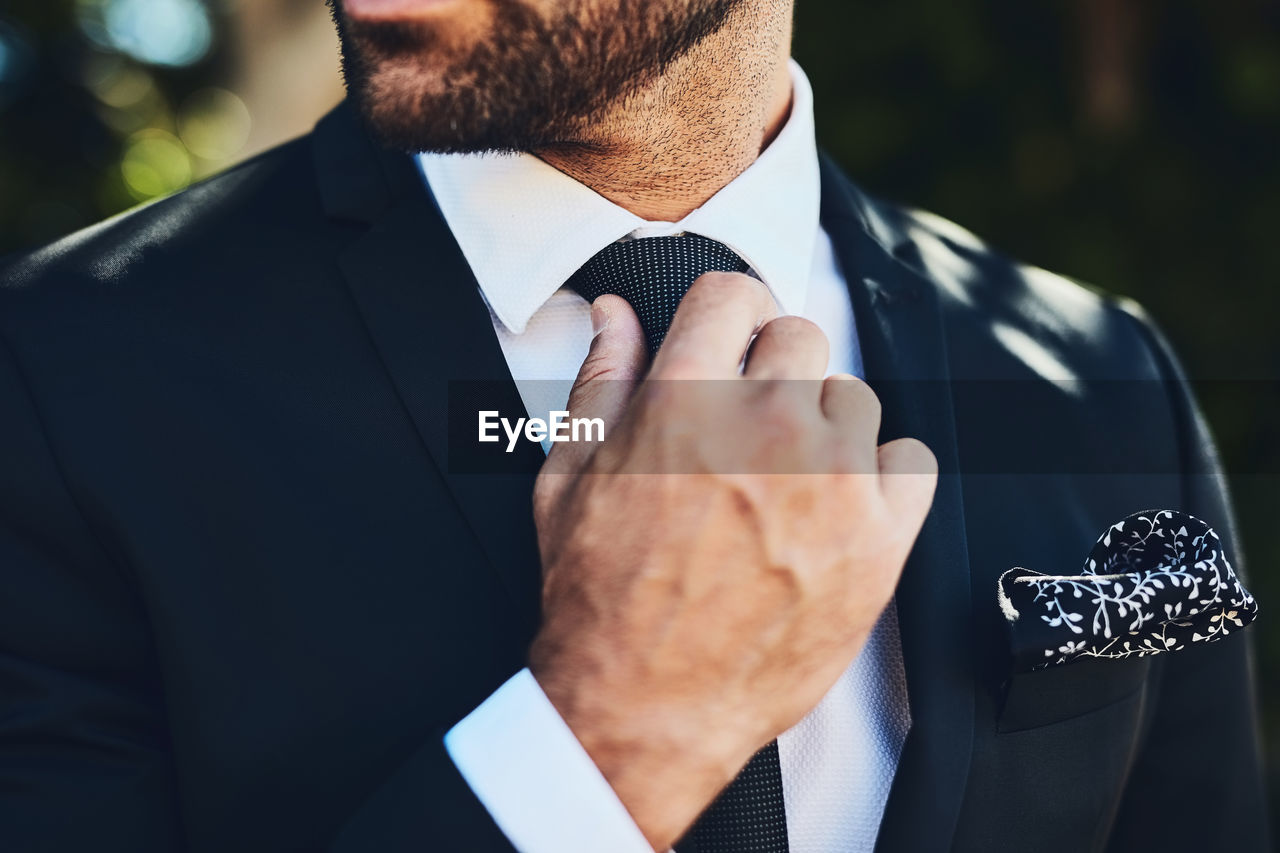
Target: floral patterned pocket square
{"type": "Point", "coordinates": [1154, 582]}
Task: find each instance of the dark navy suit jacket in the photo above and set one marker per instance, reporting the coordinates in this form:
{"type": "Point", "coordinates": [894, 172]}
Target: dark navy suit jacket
{"type": "Point", "coordinates": [243, 594]}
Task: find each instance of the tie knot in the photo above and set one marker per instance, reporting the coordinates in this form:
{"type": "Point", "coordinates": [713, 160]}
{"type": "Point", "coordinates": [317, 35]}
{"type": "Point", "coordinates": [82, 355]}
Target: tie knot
{"type": "Point", "coordinates": [653, 274]}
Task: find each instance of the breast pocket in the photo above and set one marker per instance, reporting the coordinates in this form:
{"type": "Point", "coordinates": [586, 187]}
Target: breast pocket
{"type": "Point", "coordinates": [1052, 695]}
{"type": "Point", "coordinates": [1049, 776]}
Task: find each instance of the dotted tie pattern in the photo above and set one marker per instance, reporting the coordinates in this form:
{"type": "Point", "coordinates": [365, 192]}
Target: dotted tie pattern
{"type": "Point", "coordinates": [749, 816]}
{"type": "Point", "coordinates": [653, 274]}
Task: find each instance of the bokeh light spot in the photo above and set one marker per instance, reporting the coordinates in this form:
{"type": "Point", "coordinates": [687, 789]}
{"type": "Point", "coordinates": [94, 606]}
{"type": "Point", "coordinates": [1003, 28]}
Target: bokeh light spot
{"type": "Point", "coordinates": [155, 163]}
{"type": "Point", "coordinates": [125, 88]}
{"type": "Point", "coordinates": [158, 32]}
{"type": "Point", "coordinates": [214, 124]}
{"type": "Point", "coordinates": [128, 98]}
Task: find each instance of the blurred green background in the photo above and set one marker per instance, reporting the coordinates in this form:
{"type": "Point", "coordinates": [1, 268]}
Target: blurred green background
{"type": "Point", "coordinates": [1133, 144]}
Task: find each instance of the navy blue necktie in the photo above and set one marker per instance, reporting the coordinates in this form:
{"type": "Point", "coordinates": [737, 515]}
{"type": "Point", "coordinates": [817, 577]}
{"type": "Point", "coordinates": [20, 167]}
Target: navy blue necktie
{"type": "Point", "coordinates": [653, 274]}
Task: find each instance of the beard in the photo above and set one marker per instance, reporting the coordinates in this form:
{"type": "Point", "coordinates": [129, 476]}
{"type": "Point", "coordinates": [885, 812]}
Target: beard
{"type": "Point", "coordinates": [525, 81]}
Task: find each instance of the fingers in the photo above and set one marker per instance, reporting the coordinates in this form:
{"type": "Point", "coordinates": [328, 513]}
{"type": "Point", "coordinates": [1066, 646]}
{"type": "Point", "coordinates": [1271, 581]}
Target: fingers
{"type": "Point", "coordinates": [614, 364]}
{"type": "Point", "coordinates": [712, 327]}
{"type": "Point", "coordinates": [849, 401]}
{"type": "Point", "coordinates": [853, 410]}
{"type": "Point", "coordinates": [908, 468]}
{"type": "Point", "coordinates": [908, 477]}
{"type": "Point", "coordinates": [788, 348]}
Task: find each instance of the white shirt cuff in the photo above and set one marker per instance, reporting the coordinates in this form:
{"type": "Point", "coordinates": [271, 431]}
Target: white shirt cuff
{"type": "Point", "coordinates": [540, 786]}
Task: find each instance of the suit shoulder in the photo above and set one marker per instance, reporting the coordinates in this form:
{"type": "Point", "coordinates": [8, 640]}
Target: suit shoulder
{"type": "Point", "coordinates": [211, 216]}
{"type": "Point", "coordinates": [974, 272]}
{"type": "Point", "coordinates": [1062, 326]}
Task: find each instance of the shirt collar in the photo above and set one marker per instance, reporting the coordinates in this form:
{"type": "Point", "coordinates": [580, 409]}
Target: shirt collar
{"type": "Point", "coordinates": [525, 227]}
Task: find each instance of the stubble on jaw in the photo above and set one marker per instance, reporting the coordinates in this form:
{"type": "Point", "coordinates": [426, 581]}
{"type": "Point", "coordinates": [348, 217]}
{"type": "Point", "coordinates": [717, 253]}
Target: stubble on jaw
{"type": "Point", "coordinates": [514, 76]}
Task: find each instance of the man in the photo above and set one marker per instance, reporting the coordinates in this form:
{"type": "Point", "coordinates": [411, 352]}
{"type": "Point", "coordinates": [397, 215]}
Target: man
{"type": "Point", "coordinates": [263, 591]}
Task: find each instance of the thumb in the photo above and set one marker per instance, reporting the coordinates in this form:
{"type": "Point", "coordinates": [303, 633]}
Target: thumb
{"type": "Point", "coordinates": [614, 365]}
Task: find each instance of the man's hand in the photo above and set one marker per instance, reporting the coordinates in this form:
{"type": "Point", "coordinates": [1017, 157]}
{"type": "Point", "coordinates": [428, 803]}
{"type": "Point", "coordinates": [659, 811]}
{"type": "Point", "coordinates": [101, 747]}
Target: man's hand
{"type": "Point", "coordinates": [713, 567]}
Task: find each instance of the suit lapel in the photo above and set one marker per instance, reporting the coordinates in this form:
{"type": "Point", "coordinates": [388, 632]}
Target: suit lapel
{"type": "Point", "coordinates": [900, 331]}
{"type": "Point", "coordinates": [429, 324]}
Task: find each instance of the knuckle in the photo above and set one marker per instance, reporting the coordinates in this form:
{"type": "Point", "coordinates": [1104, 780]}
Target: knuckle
{"type": "Point", "coordinates": [727, 285]}
{"type": "Point", "coordinates": [780, 419]}
{"type": "Point", "coordinates": [855, 397]}
{"type": "Point", "coordinates": [678, 366]}
{"type": "Point", "coordinates": [839, 386]}
{"type": "Point", "coordinates": [864, 398]}
{"type": "Point", "coordinates": [925, 462]}
{"type": "Point", "coordinates": [848, 456]}
{"type": "Point", "coordinates": [911, 456]}
{"type": "Point", "coordinates": [913, 448]}
{"type": "Point", "coordinates": [772, 394]}
{"type": "Point", "coordinates": [798, 327]}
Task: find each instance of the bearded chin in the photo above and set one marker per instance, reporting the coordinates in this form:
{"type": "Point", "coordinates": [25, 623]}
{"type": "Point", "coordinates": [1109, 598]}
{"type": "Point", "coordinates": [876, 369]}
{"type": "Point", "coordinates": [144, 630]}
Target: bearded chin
{"type": "Point", "coordinates": [528, 84]}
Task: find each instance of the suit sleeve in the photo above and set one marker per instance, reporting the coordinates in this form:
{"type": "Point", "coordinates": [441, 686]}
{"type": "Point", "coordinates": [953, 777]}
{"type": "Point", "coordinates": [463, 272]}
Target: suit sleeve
{"type": "Point", "coordinates": [425, 804]}
{"type": "Point", "coordinates": [511, 766]}
{"type": "Point", "coordinates": [85, 757]}
{"type": "Point", "coordinates": [1197, 780]}
{"type": "Point", "coordinates": [84, 760]}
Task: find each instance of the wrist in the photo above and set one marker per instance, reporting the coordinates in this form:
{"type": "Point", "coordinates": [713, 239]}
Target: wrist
{"type": "Point", "coordinates": [663, 765]}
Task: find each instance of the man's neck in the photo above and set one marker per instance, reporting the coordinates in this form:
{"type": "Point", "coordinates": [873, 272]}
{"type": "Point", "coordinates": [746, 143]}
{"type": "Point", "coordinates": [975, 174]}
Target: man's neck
{"type": "Point", "coordinates": [662, 152]}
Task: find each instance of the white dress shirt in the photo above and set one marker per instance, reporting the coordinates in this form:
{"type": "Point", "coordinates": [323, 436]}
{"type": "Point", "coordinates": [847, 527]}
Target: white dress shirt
{"type": "Point", "coordinates": [524, 228]}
